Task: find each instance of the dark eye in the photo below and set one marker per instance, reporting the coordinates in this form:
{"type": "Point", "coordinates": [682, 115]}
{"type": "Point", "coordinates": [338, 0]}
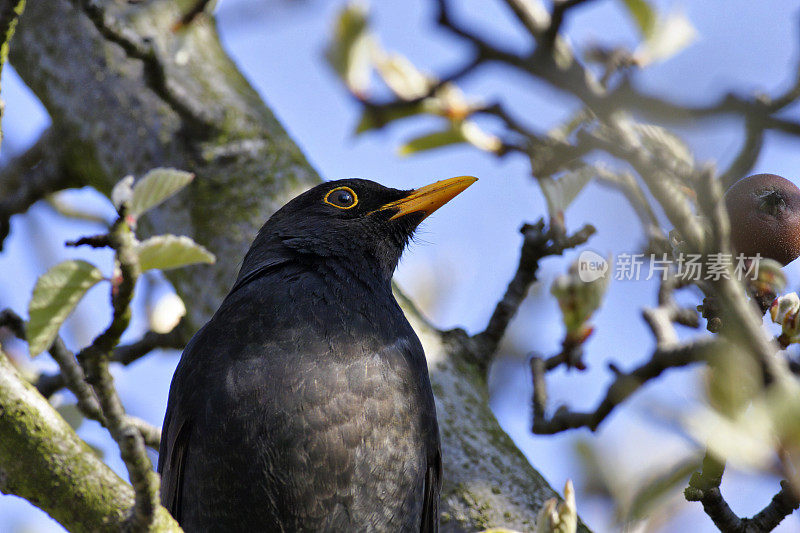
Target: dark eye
{"type": "Point", "coordinates": [342, 197]}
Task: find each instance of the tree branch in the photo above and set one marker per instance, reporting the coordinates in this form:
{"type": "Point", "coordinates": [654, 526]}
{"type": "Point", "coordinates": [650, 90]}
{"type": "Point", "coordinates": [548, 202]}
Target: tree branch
{"type": "Point", "coordinates": [45, 462]}
{"type": "Point", "coordinates": [94, 359]}
{"type": "Point", "coordinates": [31, 176]}
{"type": "Point", "coordinates": [704, 488]}
{"type": "Point", "coordinates": [537, 244]}
{"type": "Point", "coordinates": [567, 74]}
{"type": "Point", "coordinates": [201, 116]}
{"type": "Point", "coordinates": [72, 377]}
{"type": "Point", "coordinates": [624, 385]}
{"type": "Point", "coordinates": [747, 156]}
{"type": "Point", "coordinates": [10, 11]}
{"type": "Point", "coordinates": [49, 384]}
{"type": "Point", "coordinates": [560, 8]}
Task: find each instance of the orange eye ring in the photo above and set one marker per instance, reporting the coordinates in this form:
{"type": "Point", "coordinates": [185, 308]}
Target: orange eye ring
{"type": "Point", "coordinates": [352, 193]}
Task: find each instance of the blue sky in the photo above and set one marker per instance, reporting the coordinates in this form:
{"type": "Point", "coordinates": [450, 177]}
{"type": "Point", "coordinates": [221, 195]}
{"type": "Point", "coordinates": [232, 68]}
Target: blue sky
{"type": "Point", "coordinates": [467, 252]}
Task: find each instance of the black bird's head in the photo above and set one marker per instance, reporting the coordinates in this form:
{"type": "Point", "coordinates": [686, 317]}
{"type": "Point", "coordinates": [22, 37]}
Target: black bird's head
{"type": "Point", "coordinates": [351, 221]}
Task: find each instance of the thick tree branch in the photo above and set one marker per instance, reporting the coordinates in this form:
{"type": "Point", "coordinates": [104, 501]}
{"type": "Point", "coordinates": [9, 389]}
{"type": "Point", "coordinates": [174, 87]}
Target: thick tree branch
{"type": "Point", "coordinates": [199, 114]}
{"type": "Point", "coordinates": [31, 176]}
{"type": "Point", "coordinates": [72, 377]}
{"type": "Point", "coordinates": [45, 462]}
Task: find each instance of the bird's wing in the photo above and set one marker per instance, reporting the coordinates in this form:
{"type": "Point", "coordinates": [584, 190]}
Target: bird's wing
{"type": "Point", "coordinates": [258, 268]}
{"type": "Point", "coordinates": [171, 466]}
{"type": "Point", "coordinates": [175, 434]}
{"type": "Point", "coordinates": [430, 502]}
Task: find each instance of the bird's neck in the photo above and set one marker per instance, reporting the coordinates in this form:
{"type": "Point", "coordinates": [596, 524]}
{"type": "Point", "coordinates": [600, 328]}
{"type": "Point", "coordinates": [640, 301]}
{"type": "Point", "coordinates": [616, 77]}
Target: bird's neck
{"type": "Point", "coordinates": [351, 276]}
{"type": "Point", "coordinates": [372, 268]}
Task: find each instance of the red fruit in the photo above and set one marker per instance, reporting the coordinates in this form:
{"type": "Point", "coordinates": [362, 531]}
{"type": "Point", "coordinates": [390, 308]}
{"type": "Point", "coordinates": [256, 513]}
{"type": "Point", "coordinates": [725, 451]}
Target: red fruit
{"type": "Point", "coordinates": [765, 217]}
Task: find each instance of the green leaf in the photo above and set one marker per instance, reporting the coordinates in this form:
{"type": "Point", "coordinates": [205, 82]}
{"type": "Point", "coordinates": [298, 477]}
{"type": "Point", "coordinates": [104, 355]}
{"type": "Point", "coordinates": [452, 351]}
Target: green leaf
{"type": "Point", "coordinates": [643, 14]}
{"type": "Point", "coordinates": [560, 192]}
{"type": "Point", "coordinates": [429, 141]}
{"type": "Point", "coordinates": [375, 119]}
{"type": "Point", "coordinates": [459, 132]}
{"type": "Point", "coordinates": [55, 296]}
{"type": "Point", "coordinates": [403, 78]}
{"type": "Point", "coordinates": [747, 440]}
{"type": "Point", "coordinates": [661, 140]}
{"type": "Point", "coordinates": [156, 186]}
{"type": "Point", "coordinates": [165, 252]}
{"type": "Point", "coordinates": [352, 48]}
{"type": "Point", "coordinates": [580, 293]}
{"type": "Point", "coordinates": [122, 192]}
{"type": "Point", "coordinates": [733, 378]}
{"type": "Point", "coordinates": [671, 34]}
{"type": "Point", "coordinates": [659, 487]}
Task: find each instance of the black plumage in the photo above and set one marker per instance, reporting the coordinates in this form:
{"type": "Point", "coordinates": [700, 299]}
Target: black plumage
{"type": "Point", "coordinates": [304, 403]}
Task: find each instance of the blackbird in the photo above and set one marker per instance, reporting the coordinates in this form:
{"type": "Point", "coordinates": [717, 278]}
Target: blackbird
{"type": "Point", "coordinates": [304, 404]}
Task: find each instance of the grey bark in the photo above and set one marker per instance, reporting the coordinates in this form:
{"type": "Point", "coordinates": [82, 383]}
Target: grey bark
{"type": "Point", "coordinates": [45, 462]}
{"type": "Point", "coordinates": [119, 117]}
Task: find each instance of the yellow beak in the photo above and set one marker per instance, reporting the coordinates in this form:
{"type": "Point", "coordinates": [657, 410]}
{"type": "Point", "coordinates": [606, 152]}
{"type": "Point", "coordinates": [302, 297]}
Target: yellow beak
{"type": "Point", "coordinates": [429, 198]}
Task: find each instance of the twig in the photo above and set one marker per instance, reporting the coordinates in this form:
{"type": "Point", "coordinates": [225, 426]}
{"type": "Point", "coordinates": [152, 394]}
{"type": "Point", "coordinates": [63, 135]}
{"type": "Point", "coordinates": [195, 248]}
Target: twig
{"type": "Point", "coordinates": [704, 488]}
{"type": "Point", "coordinates": [748, 153]}
{"type": "Point", "coordinates": [579, 81]}
{"type": "Point", "coordinates": [784, 503]}
{"type": "Point", "coordinates": [95, 359]}
{"type": "Point", "coordinates": [531, 15]}
{"type": "Point", "coordinates": [660, 320]}
{"type": "Point", "coordinates": [150, 433]}
{"type": "Point", "coordinates": [13, 322]}
{"type": "Point", "coordinates": [625, 385]}
{"type": "Point", "coordinates": [381, 111]}
{"type": "Point", "coordinates": [560, 8]}
{"type": "Point", "coordinates": [49, 384]}
{"type": "Point", "coordinates": [75, 381]}
{"type": "Point", "coordinates": [95, 241]}
{"type": "Point", "coordinates": [626, 183]}
{"type": "Point", "coordinates": [537, 243]}
{"type": "Point", "coordinates": [10, 10]}
{"type": "Point", "coordinates": [743, 318]}
{"type": "Point", "coordinates": [539, 367]}
{"type": "Point", "coordinates": [196, 10]}
{"type": "Point", "coordinates": [730, 293]}
{"type": "Point", "coordinates": [72, 376]}
{"type": "Point", "coordinates": [662, 185]}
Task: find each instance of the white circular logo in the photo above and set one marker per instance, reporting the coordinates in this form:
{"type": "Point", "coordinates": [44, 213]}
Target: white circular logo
{"type": "Point", "coordinates": [591, 266]}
